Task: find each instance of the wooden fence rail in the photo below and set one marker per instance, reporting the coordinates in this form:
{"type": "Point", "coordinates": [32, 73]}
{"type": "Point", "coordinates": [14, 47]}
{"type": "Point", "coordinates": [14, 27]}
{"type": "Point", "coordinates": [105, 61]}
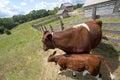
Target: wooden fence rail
{"type": "Point", "coordinates": [116, 24]}
{"type": "Point", "coordinates": [56, 27]}
{"type": "Point", "coordinates": [112, 31]}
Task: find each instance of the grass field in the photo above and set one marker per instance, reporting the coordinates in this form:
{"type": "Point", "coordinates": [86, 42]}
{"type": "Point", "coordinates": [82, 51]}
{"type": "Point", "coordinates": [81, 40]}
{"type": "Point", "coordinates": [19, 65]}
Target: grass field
{"type": "Point", "coordinates": [22, 56]}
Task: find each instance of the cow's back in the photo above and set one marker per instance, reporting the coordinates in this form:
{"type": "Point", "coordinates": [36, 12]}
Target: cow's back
{"type": "Point", "coordinates": [73, 40]}
{"type": "Point", "coordinates": [82, 61]}
{"type": "Point", "coordinates": [95, 32]}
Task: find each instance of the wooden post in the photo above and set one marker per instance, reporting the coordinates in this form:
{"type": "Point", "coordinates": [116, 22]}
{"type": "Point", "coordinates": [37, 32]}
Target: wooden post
{"type": "Point", "coordinates": [51, 28]}
{"type": "Point", "coordinates": [94, 13]}
{"type": "Point", "coordinates": [42, 28]}
{"type": "Point", "coordinates": [61, 23]}
{"type": "Point", "coordinates": [45, 28]}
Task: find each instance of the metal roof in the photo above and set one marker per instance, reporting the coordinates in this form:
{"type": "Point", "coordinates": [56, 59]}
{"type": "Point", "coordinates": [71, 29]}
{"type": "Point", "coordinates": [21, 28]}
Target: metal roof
{"type": "Point", "coordinates": [66, 4]}
{"type": "Point", "coordinates": [92, 2]}
{"type": "Point", "coordinates": [61, 11]}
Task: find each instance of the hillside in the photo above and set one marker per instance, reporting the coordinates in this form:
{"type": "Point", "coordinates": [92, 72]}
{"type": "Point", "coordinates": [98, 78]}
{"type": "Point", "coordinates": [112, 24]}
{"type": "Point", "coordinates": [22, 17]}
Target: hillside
{"type": "Point", "coordinates": [22, 56]}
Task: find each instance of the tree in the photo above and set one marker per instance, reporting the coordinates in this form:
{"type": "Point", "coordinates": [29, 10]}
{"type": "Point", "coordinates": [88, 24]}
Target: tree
{"type": "Point", "coordinates": [10, 23]}
{"type": "Point", "coordinates": [2, 29]}
{"type": "Point", "coordinates": [77, 6]}
{"type": "Point", "coordinates": [53, 12]}
{"type": "Point", "coordinates": [7, 23]}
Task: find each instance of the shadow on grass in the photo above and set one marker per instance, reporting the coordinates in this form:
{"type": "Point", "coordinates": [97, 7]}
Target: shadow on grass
{"type": "Point", "coordinates": [110, 53]}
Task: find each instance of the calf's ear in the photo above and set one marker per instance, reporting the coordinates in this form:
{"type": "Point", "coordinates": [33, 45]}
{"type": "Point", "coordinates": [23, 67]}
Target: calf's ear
{"type": "Point", "coordinates": [54, 52]}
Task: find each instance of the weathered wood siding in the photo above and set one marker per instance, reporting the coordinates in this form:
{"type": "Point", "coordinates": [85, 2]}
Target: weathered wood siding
{"type": "Point", "coordinates": [101, 8]}
{"type": "Point", "coordinates": [63, 15]}
{"type": "Point", "coordinates": [69, 9]}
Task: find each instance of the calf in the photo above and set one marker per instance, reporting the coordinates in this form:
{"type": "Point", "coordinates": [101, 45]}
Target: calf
{"type": "Point", "coordinates": [88, 63]}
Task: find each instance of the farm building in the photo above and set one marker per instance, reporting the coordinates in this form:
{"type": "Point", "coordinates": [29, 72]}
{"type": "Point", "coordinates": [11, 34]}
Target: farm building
{"type": "Point", "coordinates": [67, 6]}
{"type": "Point", "coordinates": [64, 9]}
{"type": "Point", "coordinates": [62, 13]}
{"type": "Point", "coordinates": [102, 7]}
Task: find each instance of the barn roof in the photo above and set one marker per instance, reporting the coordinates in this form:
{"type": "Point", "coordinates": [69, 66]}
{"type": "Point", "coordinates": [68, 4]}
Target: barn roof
{"type": "Point", "coordinates": [61, 11]}
{"type": "Point", "coordinates": [92, 2]}
{"type": "Point", "coordinates": [66, 4]}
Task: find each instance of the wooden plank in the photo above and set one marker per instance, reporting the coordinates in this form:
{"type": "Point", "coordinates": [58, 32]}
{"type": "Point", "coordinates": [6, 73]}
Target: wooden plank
{"type": "Point", "coordinates": [112, 31]}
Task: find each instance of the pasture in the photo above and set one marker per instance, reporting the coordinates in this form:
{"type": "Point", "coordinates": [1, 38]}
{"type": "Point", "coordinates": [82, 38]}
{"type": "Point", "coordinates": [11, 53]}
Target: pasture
{"type": "Point", "coordinates": [22, 56]}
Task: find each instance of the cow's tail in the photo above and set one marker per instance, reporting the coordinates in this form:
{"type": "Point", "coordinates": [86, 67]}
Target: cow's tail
{"type": "Point", "coordinates": [108, 67]}
{"type": "Point", "coordinates": [99, 23]}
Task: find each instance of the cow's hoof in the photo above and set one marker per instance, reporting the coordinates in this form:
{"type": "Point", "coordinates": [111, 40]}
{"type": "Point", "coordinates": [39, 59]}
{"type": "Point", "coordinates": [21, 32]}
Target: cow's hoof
{"type": "Point", "coordinates": [59, 72]}
{"type": "Point", "coordinates": [74, 75]}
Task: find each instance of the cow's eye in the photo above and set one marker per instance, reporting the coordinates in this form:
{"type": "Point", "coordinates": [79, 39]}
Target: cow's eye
{"type": "Point", "coordinates": [44, 40]}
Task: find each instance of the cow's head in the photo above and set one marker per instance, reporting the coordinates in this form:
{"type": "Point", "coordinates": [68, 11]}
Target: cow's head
{"type": "Point", "coordinates": [47, 41]}
{"type": "Point", "coordinates": [51, 58]}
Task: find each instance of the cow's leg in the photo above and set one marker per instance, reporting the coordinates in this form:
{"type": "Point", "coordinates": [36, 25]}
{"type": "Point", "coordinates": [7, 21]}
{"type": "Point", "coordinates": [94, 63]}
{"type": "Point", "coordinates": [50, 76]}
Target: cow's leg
{"type": "Point", "coordinates": [85, 72]}
{"type": "Point", "coordinates": [73, 72]}
{"type": "Point", "coordinates": [91, 51]}
{"type": "Point", "coordinates": [112, 76]}
{"type": "Point", "coordinates": [61, 70]}
{"type": "Point", "coordinates": [99, 76]}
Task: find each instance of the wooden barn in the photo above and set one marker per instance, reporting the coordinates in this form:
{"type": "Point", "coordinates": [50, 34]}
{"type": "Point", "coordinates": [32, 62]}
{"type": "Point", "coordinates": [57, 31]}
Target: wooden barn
{"type": "Point", "coordinates": [102, 7]}
{"type": "Point", "coordinates": [65, 8]}
{"type": "Point", "coordinates": [62, 13]}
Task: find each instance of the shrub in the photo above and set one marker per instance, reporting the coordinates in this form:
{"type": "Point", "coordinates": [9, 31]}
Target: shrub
{"type": "Point", "coordinates": [7, 32]}
{"type": "Point", "coordinates": [2, 29]}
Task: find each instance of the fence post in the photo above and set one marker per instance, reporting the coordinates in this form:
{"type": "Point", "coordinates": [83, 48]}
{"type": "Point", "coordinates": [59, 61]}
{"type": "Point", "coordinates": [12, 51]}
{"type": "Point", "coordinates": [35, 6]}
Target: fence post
{"type": "Point", "coordinates": [94, 13]}
{"type": "Point", "coordinates": [51, 28]}
{"type": "Point", "coordinates": [42, 28]}
{"type": "Point", "coordinates": [39, 28]}
{"type": "Point", "coordinates": [61, 23]}
{"type": "Point", "coordinates": [45, 28]}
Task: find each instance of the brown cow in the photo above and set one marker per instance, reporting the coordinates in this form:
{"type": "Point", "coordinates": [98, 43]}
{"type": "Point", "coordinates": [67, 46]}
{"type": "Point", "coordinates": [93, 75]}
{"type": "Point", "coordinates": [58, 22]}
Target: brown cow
{"type": "Point", "coordinates": [78, 39]}
{"type": "Point", "coordinates": [88, 63]}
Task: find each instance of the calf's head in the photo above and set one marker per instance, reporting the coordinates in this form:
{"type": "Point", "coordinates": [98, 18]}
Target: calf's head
{"type": "Point", "coordinates": [51, 58]}
{"type": "Point", "coordinates": [47, 41]}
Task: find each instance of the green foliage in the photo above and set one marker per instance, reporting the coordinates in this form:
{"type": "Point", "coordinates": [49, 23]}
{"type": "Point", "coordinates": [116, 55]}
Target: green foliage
{"type": "Point", "coordinates": [77, 6]}
{"type": "Point", "coordinates": [37, 14]}
{"type": "Point", "coordinates": [7, 31]}
{"type": "Point", "coordinates": [10, 23]}
{"type": "Point", "coordinates": [53, 12]}
{"type": "Point", "coordinates": [2, 29]}
{"type": "Point", "coordinates": [7, 23]}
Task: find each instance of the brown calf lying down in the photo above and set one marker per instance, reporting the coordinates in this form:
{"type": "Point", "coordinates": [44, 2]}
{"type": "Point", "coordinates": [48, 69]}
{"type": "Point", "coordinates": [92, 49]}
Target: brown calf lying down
{"type": "Point", "coordinates": [81, 38]}
{"type": "Point", "coordinates": [88, 63]}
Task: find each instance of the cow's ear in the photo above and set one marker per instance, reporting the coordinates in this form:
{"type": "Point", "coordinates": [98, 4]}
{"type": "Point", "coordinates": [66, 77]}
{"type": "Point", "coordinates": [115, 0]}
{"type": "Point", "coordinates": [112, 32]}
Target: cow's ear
{"type": "Point", "coordinates": [45, 32]}
{"type": "Point", "coordinates": [49, 36]}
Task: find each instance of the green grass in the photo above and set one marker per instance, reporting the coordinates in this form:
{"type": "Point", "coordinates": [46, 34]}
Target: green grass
{"type": "Point", "coordinates": [37, 21]}
{"type": "Point", "coordinates": [21, 54]}
{"type": "Point", "coordinates": [110, 19]}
